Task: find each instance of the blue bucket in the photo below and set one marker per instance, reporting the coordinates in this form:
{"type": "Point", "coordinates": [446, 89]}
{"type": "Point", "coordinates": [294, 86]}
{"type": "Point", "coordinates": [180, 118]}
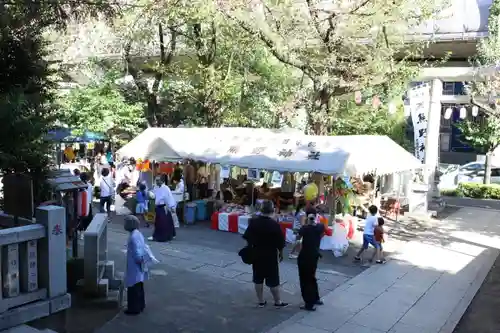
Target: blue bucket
{"type": "Point", "coordinates": [201, 210]}
{"type": "Point", "coordinates": [190, 213]}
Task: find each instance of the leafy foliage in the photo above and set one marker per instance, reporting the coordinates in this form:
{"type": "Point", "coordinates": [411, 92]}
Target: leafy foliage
{"type": "Point", "coordinates": [26, 83]}
{"type": "Point", "coordinates": [365, 120]}
{"type": "Point", "coordinates": [205, 73]}
{"type": "Point", "coordinates": [483, 136]}
{"type": "Point", "coordinates": [102, 107]}
{"type": "Point", "coordinates": [340, 46]}
{"type": "Point", "coordinates": [474, 190]}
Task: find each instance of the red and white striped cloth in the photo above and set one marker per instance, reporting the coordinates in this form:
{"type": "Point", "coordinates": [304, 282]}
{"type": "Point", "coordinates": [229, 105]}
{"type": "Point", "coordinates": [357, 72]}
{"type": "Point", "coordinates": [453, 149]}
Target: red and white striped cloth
{"type": "Point", "coordinates": [231, 222]}
{"type": "Point", "coordinates": [238, 223]}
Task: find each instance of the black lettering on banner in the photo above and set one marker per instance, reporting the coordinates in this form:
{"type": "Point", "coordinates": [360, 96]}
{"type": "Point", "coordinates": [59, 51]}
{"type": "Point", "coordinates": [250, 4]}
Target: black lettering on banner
{"type": "Point", "coordinates": [298, 143]}
{"type": "Point", "coordinates": [311, 144]}
{"type": "Point", "coordinates": [422, 147]}
{"type": "Point", "coordinates": [421, 118]}
{"type": "Point", "coordinates": [286, 153]}
{"type": "Point", "coordinates": [314, 155]}
{"type": "Point", "coordinates": [286, 141]}
{"type": "Point", "coordinates": [258, 150]}
{"type": "Point", "coordinates": [422, 132]}
{"type": "Point", "coordinates": [233, 150]}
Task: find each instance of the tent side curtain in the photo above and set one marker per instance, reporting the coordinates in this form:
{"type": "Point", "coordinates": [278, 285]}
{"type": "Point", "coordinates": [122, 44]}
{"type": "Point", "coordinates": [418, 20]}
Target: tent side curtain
{"type": "Point", "coordinates": [266, 149]}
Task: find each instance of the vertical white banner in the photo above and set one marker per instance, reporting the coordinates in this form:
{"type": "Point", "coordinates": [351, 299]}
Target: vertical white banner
{"type": "Point", "coordinates": [420, 98]}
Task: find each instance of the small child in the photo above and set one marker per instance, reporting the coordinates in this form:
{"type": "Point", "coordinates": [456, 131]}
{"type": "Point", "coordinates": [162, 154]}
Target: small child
{"type": "Point", "coordinates": [379, 239]}
{"type": "Point", "coordinates": [300, 218]}
{"type": "Point", "coordinates": [371, 223]}
{"type": "Point", "coordinates": [141, 207]}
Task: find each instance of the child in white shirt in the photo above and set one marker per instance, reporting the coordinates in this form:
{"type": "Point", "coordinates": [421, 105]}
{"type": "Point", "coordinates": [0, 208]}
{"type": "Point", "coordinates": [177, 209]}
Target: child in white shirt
{"type": "Point", "coordinates": [371, 223]}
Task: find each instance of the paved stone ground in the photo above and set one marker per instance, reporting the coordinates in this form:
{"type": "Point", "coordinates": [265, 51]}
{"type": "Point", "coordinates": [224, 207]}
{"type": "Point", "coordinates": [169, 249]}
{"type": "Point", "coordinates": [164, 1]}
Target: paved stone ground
{"type": "Point", "coordinates": [471, 202]}
{"type": "Point", "coordinates": [201, 285]}
{"type": "Point", "coordinates": [426, 288]}
{"type": "Point", "coordinates": [482, 314]}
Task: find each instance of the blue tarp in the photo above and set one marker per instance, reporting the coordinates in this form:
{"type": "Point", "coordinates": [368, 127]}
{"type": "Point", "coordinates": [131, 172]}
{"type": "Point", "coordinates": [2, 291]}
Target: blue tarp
{"type": "Point", "coordinates": [69, 135]}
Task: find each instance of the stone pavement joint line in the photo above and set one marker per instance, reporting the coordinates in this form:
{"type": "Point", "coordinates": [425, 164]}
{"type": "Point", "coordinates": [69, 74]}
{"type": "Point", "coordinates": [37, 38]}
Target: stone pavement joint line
{"type": "Point", "coordinates": [426, 289]}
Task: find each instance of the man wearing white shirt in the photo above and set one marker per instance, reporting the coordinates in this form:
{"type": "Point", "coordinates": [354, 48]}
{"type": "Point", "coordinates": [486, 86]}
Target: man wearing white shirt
{"type": "Point", "coordinates": [107, 188]}
{"type": "Point", "coordinates": [165, 204]}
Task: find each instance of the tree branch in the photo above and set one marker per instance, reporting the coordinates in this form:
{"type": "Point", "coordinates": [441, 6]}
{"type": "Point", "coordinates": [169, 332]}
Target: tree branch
{"type": "Point", "coordinates": [313, 12]}
{"type": "Point", "coordinates": [283, 57]}
{"type": "Point", "coordinates": [206, 53]}
{"type": "Point", "coordinates": [485, 107]}
{"type": "Point", "coordinates": [132, 70]}
{"type": "Point", "coordinates": [269, 14]}
{"type": "Point", "coordinates": [359, 6]}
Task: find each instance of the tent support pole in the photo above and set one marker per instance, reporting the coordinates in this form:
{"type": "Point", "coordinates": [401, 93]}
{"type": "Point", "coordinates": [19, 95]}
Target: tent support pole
{"type": "Point", "coordinates": [375, 183]}
{"type": "Point", "coordinates": [398, 196]}
{"type": "Point", "coordinates": [333, 207]}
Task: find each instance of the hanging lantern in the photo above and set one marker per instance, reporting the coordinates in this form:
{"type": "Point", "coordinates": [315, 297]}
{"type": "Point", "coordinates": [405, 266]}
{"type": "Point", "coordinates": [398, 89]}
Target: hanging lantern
{"type": "Point", "coordinates": [358, 98]}
{"type": "Point", "coordinates": [392, 108]}
{"type": "Point", "coordinates": [447, 113]}
{"type": "Point", "coordinates": [463, 112]}
{"type": "Point", "coordinates": [475, 111]}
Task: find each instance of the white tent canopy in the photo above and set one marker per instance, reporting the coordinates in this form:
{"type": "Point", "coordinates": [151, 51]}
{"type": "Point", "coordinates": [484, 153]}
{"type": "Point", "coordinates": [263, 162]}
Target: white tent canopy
{"type": "Point", "coordinates": [173, 144]}
{"type": "Point", "coordinates": [146, 146]}
{"type": "Point", "coordinates": [270, 150]}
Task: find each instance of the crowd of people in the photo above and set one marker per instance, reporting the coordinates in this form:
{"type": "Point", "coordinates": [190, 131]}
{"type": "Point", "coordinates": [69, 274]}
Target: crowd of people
{"type": "Point", "coordinates": [265, 239]}
{"type": "Point", "coordinates": [265, 244]}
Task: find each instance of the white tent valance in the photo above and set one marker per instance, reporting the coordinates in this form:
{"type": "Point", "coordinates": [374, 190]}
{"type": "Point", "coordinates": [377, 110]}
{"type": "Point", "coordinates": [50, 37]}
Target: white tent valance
{"type": "Point", "coordinates": [270, 150]}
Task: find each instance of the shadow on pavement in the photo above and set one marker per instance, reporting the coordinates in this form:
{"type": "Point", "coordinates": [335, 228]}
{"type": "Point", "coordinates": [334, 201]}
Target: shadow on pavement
{"type": "Point", "coordinates": [84, 316]}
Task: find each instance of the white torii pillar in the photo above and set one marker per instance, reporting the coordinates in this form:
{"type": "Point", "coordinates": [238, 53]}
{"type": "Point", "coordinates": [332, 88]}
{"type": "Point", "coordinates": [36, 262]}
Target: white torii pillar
{"type": "Point", "coordinates": [431, 158]}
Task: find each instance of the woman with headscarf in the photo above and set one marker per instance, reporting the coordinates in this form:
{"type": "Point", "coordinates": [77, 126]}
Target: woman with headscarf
{"type": "Point", "coordinates": [165, 205]}
{"type": "Point", "coordinates": [136, 267]}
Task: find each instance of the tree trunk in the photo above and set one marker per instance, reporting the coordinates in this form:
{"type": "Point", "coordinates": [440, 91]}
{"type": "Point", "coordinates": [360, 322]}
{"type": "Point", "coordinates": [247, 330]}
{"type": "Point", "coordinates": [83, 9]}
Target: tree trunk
{"type": "Point", "coordinates": [487, 168]}
{"type": "Point", "coordinates": [152, 110]}
{"type": "Point", "coordinates": [317, 115]}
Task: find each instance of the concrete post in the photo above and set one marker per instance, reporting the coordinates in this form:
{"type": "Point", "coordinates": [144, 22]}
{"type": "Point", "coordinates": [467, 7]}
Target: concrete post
{"type": "Point", "coordinates": [95, 255]}
{"type": "Point", "coordinates": [431, 159]}
{"type": "Point", "coordinates": [52, 250]}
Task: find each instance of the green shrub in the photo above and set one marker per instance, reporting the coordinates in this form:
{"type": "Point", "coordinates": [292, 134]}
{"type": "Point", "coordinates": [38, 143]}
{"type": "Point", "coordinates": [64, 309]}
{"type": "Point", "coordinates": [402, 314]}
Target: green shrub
{"type": "Point", "coordinates": [450, 193]}
{"type": "Point", "coordinates": [478, 191]}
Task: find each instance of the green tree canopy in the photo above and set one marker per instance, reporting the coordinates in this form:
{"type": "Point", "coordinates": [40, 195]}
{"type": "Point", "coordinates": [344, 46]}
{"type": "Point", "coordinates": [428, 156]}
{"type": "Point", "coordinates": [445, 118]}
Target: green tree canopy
{"type": "Point", "coordinates": [483, 136]}
{"type": "Point", "coordinates": [340, 46]}
{"type": "Point", "coordinates": [102, 107]}
{"type": "Point", "coordinates": [26, 82]}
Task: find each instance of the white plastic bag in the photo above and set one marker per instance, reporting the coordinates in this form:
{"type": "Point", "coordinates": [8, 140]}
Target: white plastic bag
{"type": "Point", "coordinates": [340, 242]}
{"type": "Point", "coordinates": [149, 257]}
{"type": "Point", "coordinates": [176, 220]}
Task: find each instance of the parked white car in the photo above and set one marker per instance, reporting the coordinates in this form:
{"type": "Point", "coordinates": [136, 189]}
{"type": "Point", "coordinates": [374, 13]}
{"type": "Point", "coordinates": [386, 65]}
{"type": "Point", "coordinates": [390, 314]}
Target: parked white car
{"type": "Point", "coordinates": [472, 172]}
